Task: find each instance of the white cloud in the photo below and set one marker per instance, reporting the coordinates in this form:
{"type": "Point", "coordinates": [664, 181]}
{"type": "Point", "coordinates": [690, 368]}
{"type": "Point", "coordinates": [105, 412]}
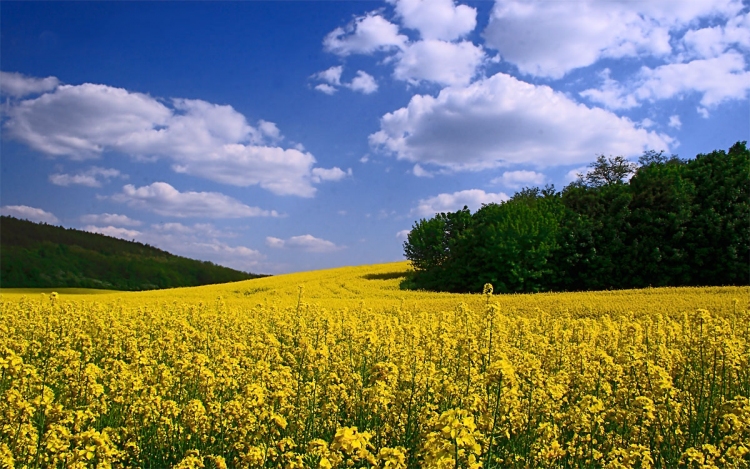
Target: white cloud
{"type": "Point", "coordinates": [519, 179]}
{"type": "Point", "coordinates": [333, 174]}
{"type": "Point", "coordinates": [113, 231]}
{"type": "Point", "coordinates": [28, 213]}
{"type": "Point", "coordinates": [675, 122]}
{"type": "Point", "coordinates": [433, 59]}
{"type": "Point", "coordinates": [307, 243]}
{"type": "Point", "coordinates": [473, 198]}
{"type": "Point", "coordinates": [552, 38]}
{"type": "Point", "coordinates": [270, 131]}
{"type": "Point", "coordinates": [164, 199]}
{"type": "Point", "coordinates": [719, 79]}
{"type": "Point", "coordinates": [18, 85]}
{"type": "Point", "coordinates": [276, 243]}
{"type": "Point", "coordinates": [420, 172]}
{"type": "Point", "coordinates": [176, 227]}
{"type": "Point", "coordinates": [445, 63]}
{"type": "Point", "coordinates": [199, 241]}
{"type": "Point", "coordinates": [611, 93]}
{"type": "Point", "coordinates": [436, 19]}
{"type": "Point", "coordinates": [703, 112]}
{"type": "Point", "coordinates": [364, 35]}
{"type": "Point", "coordinates": [283, 172]}
{"type": "Point", "coordinates": [326, 88]}
{"type": "Point", "coordinates": [110, 219]}
{"type": "Point", "coordinates": [80, 121]}
{"type": "Point", "coordinates": [92, 177]}
{"type": "Point", "coordinates": [200, 138]}
{"type": "Point", "coordinates": [573, 174]}
{"type": "Point", "coordinates": [364, 83]}
{"type": "Point", "coordinates": [332, 76]}
{"type": "Point", "coordinates": [236, 257]}
{"type": "Point", "coordinates": [500, 121]}
{"type": "Point", "coordinates": [403, 234]}
{"type": "Point", "coordinates": [195, 242]}
{"type": "Point", "coordinates": [712, 42]}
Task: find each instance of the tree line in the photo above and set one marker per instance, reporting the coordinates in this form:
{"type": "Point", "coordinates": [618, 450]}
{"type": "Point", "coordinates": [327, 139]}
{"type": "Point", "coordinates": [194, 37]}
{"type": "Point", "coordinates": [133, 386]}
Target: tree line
{"type": "Point", "coordinates": [34, 255]}
{"type": "Point", "coordinates": [662, 222]}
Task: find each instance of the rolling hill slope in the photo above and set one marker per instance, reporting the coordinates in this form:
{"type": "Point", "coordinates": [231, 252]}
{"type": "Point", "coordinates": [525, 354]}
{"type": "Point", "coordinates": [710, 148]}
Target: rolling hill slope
{"type": "Point", "coordinates": [34, 255]}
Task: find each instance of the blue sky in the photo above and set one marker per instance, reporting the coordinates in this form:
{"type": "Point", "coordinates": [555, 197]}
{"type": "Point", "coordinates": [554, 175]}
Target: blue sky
{"type": "Point", "coordinates": [286, 136]}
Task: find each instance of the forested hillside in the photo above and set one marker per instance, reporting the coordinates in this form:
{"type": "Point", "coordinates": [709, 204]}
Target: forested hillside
{"type": "Point", "coordinates": [662, 222]}
{"type": "Point", "coordinates": [41, 255]}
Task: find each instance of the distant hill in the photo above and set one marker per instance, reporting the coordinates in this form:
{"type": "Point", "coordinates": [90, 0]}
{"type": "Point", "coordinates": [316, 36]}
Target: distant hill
{"type": "Point", "coordinates": [34, 255]}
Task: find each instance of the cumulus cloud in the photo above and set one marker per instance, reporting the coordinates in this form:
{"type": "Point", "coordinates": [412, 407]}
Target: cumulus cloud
{"type": "Point", "coordinates": [364, 83]}
{"type": "Point", "coordinates": [92, 177]}
{"type": "Point", "coordinates": [519, 179]}
{"type": "Point", "coordinates": [501, 121]}
{"type": "Point", "coordinates": [335, 174]}
{"type": "Point", "coordinates": [164, 199]}
{"type": "Point", "coordinates": [206, 229]}
{"type": "Point", "coordinates": [713, 41]}
{"type": "Point", "coordinates": [270, 131]}
{"type": "Point", "coordinates": [307, 243]}
{"type": "Point", "coordinates": [110, 219]}
{"type": "Point", "coordinates": [364, 35]}
{"type": "Point", "coordinates": [237, 257]}
{"type": "Point", "coordinates": [281, 171]}
{"type": "Point", "coordinates": [403, 234]}
{"type": "Point", "coordinates": [611, 93]}
{"type": "Point", "coordinates": [198, 241]}
{"type": "Point", "coordinates": [80, 121]}
{"type": "Point", "coordinates": [332, 76]}
{"type": "Point", "coordinates": [326, 88]}
{"type": "Point", "coordinates": [113, 231]}
{"type": "Point", "coordinates": [435, 58]}
{"type": "Point", "coordinates": [717, 79]}
{"type": "Point", "coordinates": [420, 172]}
{"type": "Point", "coordinates": [18, 85]}
{"type": "Point", "coordinates": [442, 62]}
{"type": "Point", "coordinates": [199, 138]}
{"type": "Point", "coordinates": [276, 243]}
{"type": "Point", "coordinates": [436, 19]}
{"type": "Point", "coordinates": [552, 38]}
{"type": "Point", "coordinates": [575, 173]}
{"type": "Point", "coordinates": [28, 213]}
{"type": "Point", "coordinates": [472, 198]}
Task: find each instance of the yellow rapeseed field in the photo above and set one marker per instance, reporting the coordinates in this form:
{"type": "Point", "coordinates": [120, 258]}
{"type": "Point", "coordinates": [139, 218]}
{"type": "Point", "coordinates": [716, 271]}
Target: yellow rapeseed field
{"type": "Point", "coordinates": [341, 368]}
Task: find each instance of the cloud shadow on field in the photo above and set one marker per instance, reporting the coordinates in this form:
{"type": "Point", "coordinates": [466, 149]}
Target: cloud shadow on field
{"type": "Point", "coordinates": [385, 276]}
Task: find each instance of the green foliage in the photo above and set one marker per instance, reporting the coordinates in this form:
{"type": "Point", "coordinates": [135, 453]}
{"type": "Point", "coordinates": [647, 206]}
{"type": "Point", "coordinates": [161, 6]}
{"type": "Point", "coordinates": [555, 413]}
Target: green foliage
{"type": "Point", "coordinates": [673, 223]}
{"type": "Point", "coordinates": [514, 242]}
{"type": "Point", "coordinates": [719, 243]}
{"type": "Point", "coordinates": [39, 255]}
{"type": "Point", "coordinates": [607, 171]}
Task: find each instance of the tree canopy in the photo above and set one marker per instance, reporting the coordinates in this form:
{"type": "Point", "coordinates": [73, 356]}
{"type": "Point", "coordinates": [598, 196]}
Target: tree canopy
{"type": "Point", "coordinates": [662, 222]}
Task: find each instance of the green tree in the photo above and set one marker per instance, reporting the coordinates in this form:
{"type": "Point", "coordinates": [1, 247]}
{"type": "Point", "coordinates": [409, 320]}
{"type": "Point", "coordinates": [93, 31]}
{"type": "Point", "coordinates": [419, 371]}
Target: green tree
{"type": "Point", "coordinates": [718, 238]}
{"type": "Point", "coordinates": [666, 222]}
{"type": "Point", "coordinates": [607, 170]}
{"type": "Point", "coordinates": [514, 242]}
{"type": "Point", "coordinates": [660, 212]}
